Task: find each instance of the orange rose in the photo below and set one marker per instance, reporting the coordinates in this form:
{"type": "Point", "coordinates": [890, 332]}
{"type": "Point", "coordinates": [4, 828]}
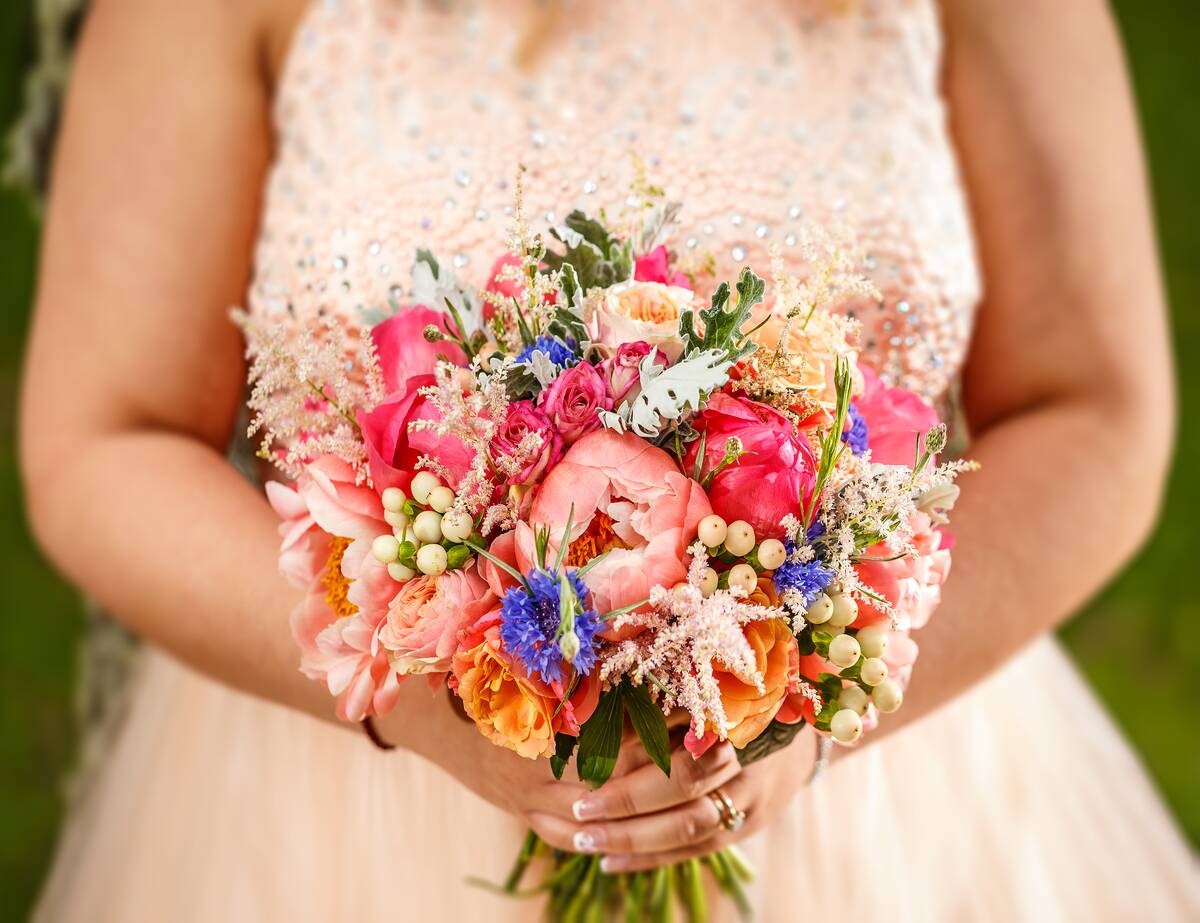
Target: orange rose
{"type": "Point", "coordinates": [748, 711]}
{"type": "Point", "coordinates": [511, 708]}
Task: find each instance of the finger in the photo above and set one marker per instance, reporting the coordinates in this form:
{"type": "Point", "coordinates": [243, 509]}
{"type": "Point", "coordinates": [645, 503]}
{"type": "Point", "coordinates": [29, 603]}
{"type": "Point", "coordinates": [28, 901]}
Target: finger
{"type": "Point", "coordinates": [739, 792]}
{"type": "Point", "coordinates": [646, 790]}
{"type": "Point", "coordinates": [680, 827]}
{"type": "Point", "coordinates": [558, 832]}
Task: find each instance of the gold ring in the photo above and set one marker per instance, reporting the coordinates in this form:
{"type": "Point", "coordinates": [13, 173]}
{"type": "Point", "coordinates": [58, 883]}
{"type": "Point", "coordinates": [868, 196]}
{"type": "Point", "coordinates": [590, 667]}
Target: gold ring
{"type": "Point", "coordinates": [731, 818]}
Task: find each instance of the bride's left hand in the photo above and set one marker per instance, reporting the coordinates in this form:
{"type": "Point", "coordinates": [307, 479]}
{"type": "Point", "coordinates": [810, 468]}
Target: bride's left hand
{"type": "Point", "coordinates": [644, 819]}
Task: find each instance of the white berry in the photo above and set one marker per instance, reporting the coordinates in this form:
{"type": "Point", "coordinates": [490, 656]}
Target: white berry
{"type": "Point", "coordinates": [386, 548]}
{"type": "Point", "coordinates": [844, 651]}
{"type": "Point", "coordinates": [771, 554]}
{"type": "Point", "coordinates": [846, 726]}
{"type": "Point", "coordinates": [854, 698]}
{"type": "Point", "coordinates": [887, 696]}
{"type": "Point", "coordinates": [428, 526]}
{"type": "Point", "coordinates": [739, 538]}
{"type": "Point", "coordinates": [398, 521]}
{"type": "Point", "coordinates": [744, 576]}
{"type": "Point", "coordinates": [708, 582]}
{"type": "Point", "coordinates": [874, 671]}
{"type": "Point", "coordinates": [820, 610]}
{"type": "Point", "coordinates": [712, 530]}
{"type": "Point", "coordinates": [441, 498]}
{"type": "Point", "coordinates": [457, 526]}
{"type": "Point", "coordinates": [873, 639]}
{"type": "Point", "coordinates": [422, 483]}
{"type": "Point", "coordinates": [431, 560]}
{"type": "Point", "coordinates": [845, 609]}
{"type": "Point", "coordinates": [393, 499]}
{"type": "Point", "coordinates": [400, 572]}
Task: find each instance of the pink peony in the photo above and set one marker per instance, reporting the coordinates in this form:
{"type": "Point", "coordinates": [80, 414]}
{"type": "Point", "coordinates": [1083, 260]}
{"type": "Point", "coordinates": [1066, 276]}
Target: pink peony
{"type": "Point", "coordinates": [621, 369]}
{"type": "Point", "coordinates": [403, 350]}
{"type": "Point", "coordinates": [912, 584]}
{"type": "Point", "coordinates": [629, 499]}
{"type": "Point", "coordinates": [894, 419]}
{"type": "Point", "coordinates": [424, 618]}
{"type": "Point", "coordinates": [573, 400]}
{"type": "Point", "coordinates": [655, 266]}
{"type": "Point", "coordinates": [524, 418]}
{"type": "Point", "coordinates": [393, 449]}
{"type": "Point", "coordinates": [776, 474]}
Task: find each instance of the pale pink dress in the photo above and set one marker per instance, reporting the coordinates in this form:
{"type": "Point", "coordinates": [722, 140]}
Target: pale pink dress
{"type": "Point", "coordinates": [401, 124]}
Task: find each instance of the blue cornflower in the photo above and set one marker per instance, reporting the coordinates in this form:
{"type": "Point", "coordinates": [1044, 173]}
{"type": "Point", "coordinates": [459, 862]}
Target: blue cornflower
{"type": "Point", "coordinates": [857, 435]}
{"type": "Point", "coordinates": [815, 531]}
{"type": "Point", "coordinates": [529, 620]}
{"type": "Point", "coordinates": [809, 579]}
{"type": "Point", "coordinates": [560, 353]}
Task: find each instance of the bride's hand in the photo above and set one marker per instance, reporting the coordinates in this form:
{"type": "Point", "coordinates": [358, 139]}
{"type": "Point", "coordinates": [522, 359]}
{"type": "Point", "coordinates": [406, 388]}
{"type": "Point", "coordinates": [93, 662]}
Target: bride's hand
{"type": "Point", "coordinates": [643, 819]}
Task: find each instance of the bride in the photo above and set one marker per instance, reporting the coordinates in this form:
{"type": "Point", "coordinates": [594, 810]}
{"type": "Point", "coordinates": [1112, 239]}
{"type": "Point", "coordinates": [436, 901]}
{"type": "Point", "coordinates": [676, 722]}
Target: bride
{"type": "Point", "coordinates": [290, 155]}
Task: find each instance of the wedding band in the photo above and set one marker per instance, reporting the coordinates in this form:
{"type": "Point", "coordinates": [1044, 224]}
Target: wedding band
{"type": "Point", "coordinates": [731, 818]}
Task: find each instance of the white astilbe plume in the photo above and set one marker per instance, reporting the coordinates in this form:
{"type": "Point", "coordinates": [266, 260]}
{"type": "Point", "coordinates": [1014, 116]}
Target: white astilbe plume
{"type": "Point", "coordinates": [688, 633]}
{"type": "Point", "coordinates": [305, 392]}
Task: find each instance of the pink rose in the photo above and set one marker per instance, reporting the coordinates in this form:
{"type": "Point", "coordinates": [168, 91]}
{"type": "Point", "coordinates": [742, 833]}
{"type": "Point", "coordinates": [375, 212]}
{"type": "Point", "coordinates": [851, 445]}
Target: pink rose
{"type": "Point", "coordinates": [894, 418]}
{"type": "Point", "coordinates": [506, 287]}
{"type": "Point", "coordinates": [629, 499]}
{"type": "Point", "coordinates": [393, 449]}
{"type": "Point", "coordinates": [425, 616]}
{"type": "Point", "coordinates": [913, 583]}
{"type": "Point", "coordinates": [655, 267]}
{"type": "Point", "coordinates": [621, 369]}
{"type": "Point", "coordinates": [403, 350]}
{"type": "Point", "coordinates": [524, 419]}
{"type": "Point", "coordinates": [573, 400]}
{"type": "Point", "coordinates": [776, 474]}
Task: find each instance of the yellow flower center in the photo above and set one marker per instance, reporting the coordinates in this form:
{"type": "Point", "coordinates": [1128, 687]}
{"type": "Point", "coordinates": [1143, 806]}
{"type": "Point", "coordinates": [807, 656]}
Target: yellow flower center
{"type": "Point", "coordinates": [335, 583]}
{"type": "Point", "coordinates": [598, 538]}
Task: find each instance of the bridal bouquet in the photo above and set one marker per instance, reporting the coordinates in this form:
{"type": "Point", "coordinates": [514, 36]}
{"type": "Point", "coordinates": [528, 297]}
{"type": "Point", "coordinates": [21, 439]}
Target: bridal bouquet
{"type": "Point", "coordinates": [584, 501]}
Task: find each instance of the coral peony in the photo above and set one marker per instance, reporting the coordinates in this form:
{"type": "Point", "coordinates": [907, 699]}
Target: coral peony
{"type": "Point", "coordinates": [894, 418]}
{"type": "Point", "coordinates": [403, 350]}
{"type": "Point", "coordinates": [646, 311]}
{"type": "Point", "coordinates": [424, 618]}
{"type": "Point", "coordinates": [393, 450]}
{"type": "Point", "coordinates": [511, 708]}
{"type": "Point", "coordinates": [773, 478]}
{"type": "Point", "coordinates": [630, 500]}
{"type": "Point", "coordinates": [574, 399]}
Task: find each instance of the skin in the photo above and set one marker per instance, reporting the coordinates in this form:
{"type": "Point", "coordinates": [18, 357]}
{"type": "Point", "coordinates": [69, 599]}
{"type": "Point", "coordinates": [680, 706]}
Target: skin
{"type": "Point", "coordinates": [148, 240]}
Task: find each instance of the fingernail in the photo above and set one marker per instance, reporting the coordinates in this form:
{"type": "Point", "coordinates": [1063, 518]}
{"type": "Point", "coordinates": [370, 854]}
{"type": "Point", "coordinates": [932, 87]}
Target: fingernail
{"type": "Point", "coordinates": [610, 864]}
{"type": "Point", "coordinates": [587, 809]}
{"type": "Point", "coordinates": [588, 840]}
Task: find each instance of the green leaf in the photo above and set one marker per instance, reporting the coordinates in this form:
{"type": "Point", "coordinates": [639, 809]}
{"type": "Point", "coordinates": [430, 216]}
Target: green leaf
{"type": "Point", "coordinates": [723, 323]}
{"type": "Point", "coordinates": [650, 725]}
{"type": "Point", "coordinates": [564, 746]}
{"type": "Point", "coordinates": [600, 739]}
{"type": "Point", "coordinates": [598, 257]}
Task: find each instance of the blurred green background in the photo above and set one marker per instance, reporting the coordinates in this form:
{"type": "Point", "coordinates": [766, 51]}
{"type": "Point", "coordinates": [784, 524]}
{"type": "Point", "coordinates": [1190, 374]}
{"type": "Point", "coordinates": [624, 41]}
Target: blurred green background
{"type": "Point", "coordinates": [1139, 644]}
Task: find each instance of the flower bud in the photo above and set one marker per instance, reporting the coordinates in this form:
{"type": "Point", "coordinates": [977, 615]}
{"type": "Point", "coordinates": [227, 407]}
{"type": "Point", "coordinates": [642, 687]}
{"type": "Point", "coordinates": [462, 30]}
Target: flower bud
{"type": "Point", "coordinates": [568, 646]}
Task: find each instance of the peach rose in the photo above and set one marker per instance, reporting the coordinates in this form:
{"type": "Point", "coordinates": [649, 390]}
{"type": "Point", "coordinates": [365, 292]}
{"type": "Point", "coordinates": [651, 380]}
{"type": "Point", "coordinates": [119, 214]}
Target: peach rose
{"type": "Point", "coordinates": [629, 499]}
{"type": "Point", "coordinates": [821, 341]}
{"type": "Point", "coordinates": [425, 617]}
{"type": "Point", "coordinates": [511, 708]}
{"type": "Point", "coordinates": [748, 711]}
{"type": "Point", "coordinates": [647, 311]}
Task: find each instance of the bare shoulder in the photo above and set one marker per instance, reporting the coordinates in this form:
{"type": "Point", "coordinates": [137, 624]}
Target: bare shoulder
{"type": "Point", "coordinates": [279, 20]}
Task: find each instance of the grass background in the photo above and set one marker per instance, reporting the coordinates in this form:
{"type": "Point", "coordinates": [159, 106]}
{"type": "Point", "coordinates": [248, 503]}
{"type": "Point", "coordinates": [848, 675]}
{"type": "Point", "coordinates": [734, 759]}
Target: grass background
{"type": "Point", "coordinates": [1138, 643]}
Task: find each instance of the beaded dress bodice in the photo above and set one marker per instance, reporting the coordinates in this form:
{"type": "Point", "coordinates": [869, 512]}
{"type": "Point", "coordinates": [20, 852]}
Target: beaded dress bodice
{"type": "Point", "coordinates": [401, 124]}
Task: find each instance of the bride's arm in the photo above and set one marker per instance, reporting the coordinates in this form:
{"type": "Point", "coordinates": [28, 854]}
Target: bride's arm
{"type": "Point", "coordinates": [1068, 387]}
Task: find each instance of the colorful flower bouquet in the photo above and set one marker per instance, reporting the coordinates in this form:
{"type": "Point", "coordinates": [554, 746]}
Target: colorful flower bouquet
{"type": "Point", "coordinates": [578, 499]}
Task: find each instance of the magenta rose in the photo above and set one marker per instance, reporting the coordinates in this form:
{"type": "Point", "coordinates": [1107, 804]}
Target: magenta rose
{"type": "Point", "coordinates": [655, 266]}
{"type": "Point", "coordinates": [403, 350]}
{"type": "Point", "coordinates": [573, 400]}
{"type": "Point", "coordinates": [621, 369]}
{"type": "Point", "coordinates": [776, 474]}
{"type": "Point", "coordinates": [894, 419]}
{"type": "Point", "coordinates": [524, 418]}
{"type": "Point", "coordinates": [393, 450]}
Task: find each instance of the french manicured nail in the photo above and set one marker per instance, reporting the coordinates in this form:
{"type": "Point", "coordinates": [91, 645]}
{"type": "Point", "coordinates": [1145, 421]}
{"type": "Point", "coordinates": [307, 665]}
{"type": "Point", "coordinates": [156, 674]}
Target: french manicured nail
{"type": "Point", "coordinates": [610, 864]}
{"type": "Point", "coordinates": [588, 840]}
{"type": "Point", "coordinates": [587, 809]}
